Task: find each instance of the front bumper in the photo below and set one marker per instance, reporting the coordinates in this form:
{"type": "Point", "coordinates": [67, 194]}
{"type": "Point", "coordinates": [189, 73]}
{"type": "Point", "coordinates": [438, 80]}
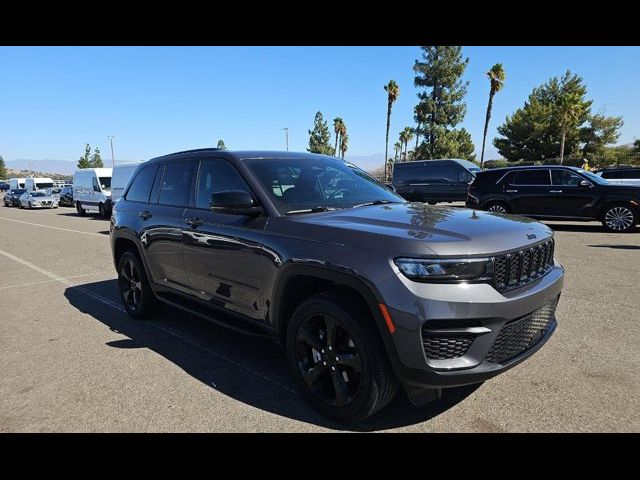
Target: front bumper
{"type": "Point", "coordinates": [476, 313]}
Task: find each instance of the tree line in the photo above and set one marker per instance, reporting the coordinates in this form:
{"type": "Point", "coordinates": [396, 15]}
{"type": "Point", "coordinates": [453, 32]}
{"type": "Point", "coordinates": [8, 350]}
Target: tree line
{"type": "Point", "coordinates": [556, 120]}
{"type": "Point", "coordinates": [89, 160]}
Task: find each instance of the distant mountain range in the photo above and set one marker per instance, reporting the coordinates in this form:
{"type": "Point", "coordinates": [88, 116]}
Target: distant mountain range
{"type": "Point", "coordinates": [67, 167]}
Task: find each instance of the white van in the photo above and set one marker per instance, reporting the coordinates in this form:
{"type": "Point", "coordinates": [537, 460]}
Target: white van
{"type": "Point", "coordinates": [38, 183]}
{"type": "Point", "coordinates": [16, 183]}
{"type": "Point", "coordinates": [121, 174]}
{"type": "Point", "coordinates": [92, 191]}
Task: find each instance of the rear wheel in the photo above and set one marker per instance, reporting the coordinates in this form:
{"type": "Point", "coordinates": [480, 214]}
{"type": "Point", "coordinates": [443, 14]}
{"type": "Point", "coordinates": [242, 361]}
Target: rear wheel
{"type": "Point", "coordinates": [101, 210]}
{"type": "Point", "coordinates": [133, 285]}
{"type": "Point", "coordinates": [619, 217]}
{"type": "Point", "coordinates": [338, 360]}
{"type": "Point", "coordinates": [497, 207]}
{"type": "Point", "coordinates": [30, 206]}
{"type": "Point", "coordinates": [81, 211]}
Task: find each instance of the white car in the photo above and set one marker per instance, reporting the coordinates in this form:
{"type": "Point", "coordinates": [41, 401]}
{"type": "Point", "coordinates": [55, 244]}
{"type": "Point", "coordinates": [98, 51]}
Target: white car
{"type": "Point", "coordinates": [627, 175]}
{"type": "Point", "coordinates": [38, 199]}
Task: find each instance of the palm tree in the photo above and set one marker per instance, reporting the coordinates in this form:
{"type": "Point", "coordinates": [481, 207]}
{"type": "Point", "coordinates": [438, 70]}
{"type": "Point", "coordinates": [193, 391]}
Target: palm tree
{"type": "Point", "coordinates": [344, 143]}
{"type": "Point", "coordinates": [336, 128]}
{"type": "Point", "coordinates": [398, 148]}
{"type": "Point", "coordinates": [393, 91]}
{"type": "Point", "coordinates": [496, 80]}
{"type": "Point", "coordinates": [569, 111]}
{"type": "Point", "coordinates": [408, 135]}
{"type": "Point", "coordinates": [342, 133]}
{"type": "Point", "coordinates": [402, 137]}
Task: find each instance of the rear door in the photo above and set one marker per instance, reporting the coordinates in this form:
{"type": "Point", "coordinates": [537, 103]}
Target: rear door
{"type": "Point", "coordinates": [223, 256]}
{"type": "Point", "coordinates": [529, 191]}
{"type": "Point", "coordinates": [570, 198]}
{"type": "Point", "coordinates": [165, 220]}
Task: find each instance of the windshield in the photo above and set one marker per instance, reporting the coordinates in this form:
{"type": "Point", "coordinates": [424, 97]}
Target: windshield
{"type": "Point", "coordinates": [38, 194]}
{"type": "Point", "coordinates": [299, 184]}
{"type": "Point", "coordinates": [593, 177]}
{"type": "Point", "coordinates": [19, 191]}
{"type": "Point", "coordinates": [475, 169]}
{"type": "Point", "coordinates": [105, 183]}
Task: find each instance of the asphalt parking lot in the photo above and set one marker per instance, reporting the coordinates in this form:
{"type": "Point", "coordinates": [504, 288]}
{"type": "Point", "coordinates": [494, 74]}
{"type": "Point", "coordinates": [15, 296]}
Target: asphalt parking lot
{"type": "Point", "coordinates": [72, 360]}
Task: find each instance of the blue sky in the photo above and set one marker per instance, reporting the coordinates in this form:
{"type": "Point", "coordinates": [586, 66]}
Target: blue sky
{"type": "Point", "coordinates": [156, 100]}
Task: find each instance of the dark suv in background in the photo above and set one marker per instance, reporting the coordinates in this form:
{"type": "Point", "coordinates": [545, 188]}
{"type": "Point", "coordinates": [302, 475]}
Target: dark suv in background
{"type": "Point", "coordinates": [434, 181]}
{"type": "Point", "coordinates": [556, 192]}
{"type": "Point", "coordinates": [366, 291]}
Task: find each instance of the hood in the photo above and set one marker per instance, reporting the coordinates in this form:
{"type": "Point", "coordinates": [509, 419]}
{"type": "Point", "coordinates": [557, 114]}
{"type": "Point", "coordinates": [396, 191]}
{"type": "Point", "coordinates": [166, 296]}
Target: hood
{"type": "Point", "coordinates": [416, 228]}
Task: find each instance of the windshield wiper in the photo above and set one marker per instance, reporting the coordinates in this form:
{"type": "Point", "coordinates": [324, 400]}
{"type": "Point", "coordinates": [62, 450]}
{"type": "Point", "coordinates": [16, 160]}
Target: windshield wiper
{"type": "Point", "coordinates": [311, 210]}
{"type": "Point", "coordinates": [375, 202]}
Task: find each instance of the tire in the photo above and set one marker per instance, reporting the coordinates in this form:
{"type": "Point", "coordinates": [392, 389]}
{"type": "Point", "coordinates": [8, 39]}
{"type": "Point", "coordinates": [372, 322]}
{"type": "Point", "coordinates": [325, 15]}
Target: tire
{"type": "Point", "coordinates": [356, 338]}
{"type": "Point", "coordinates": [30, 206]}
{"type": "Point", "coordinates": [619, 218]}
{"type": "Point", "coordinates": [497, 207]}
{"type": "Point", "coordinates": [134, 289]}
{"type": "Point", "coordinates": [81, 211]}
{"type": "Point", "coordinates": [101, 210]}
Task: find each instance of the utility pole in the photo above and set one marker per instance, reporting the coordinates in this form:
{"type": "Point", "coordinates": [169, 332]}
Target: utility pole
{"type": "Point", "coordinates": [113, 160]}
{"type": "Point", "coordinates": [286, 132]}
{"type": "Point", "coordinates": [30, 171]}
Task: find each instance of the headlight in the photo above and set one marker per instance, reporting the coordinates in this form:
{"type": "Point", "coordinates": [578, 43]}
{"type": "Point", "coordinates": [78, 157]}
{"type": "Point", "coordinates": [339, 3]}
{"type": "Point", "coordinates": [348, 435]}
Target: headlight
{"type": "Point", "coordinates": [446, 270]}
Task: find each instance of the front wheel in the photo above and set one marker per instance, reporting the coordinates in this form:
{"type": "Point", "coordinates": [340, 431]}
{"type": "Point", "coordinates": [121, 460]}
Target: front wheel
{"type": "Point", "coordinates": [619, 218]}
{"type": "Point", "coordinates": [30, 206]}
{"type": "Point", "coordinates": [133, 285]}
{"type": "Point", "coordinates": [497, 207]}
{"type": "Point", "coordinates": [338, 360]}
{"type": "Point", "coordinates": [81, 211]}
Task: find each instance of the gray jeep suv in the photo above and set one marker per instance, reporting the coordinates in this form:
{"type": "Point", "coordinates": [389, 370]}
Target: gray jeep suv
{"type": "Point", "coordinates": [366, 291]}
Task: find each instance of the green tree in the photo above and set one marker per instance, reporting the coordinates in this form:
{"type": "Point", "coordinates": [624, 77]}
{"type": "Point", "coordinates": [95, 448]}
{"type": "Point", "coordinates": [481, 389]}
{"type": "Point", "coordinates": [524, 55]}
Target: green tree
{"type": "Point", "coordinates": [344, 144]}
{"type": "Point", "coordinates": [496, 81]}
{"type": "Point", "coordinates": [393, 92]}
{"type": "Point", "coordinates": [85, 159]}
{"type": "Point", "coordinates": [96, 159]}
{"type": "Point", "coordinates": [599, 132]}
{"type": "Point", "coordinates": [3, 168]}
{"type": "Point", "coordinates": [553, 111]}
{"type": "Point", "coordinates": [337, 128]}
{"type": "Point", "coordinates": [419, 116]}
{"type": "Point", "coordinates": [221, 145]}
{"type": "Point", "coordinates": [320, 137]}
{"type": "Point", "coordinates": [636, 146]}
{"type": "Point", "coordinates": [398, 148]}
{"type": "Point", "coordinates": [439, 75]}
{"type": "Point", "coordinates": [343, 134]}
{"type": "Point", "coordinates": [408, 135]}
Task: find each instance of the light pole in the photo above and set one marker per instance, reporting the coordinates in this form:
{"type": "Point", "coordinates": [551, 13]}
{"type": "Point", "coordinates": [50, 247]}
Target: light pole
{"type": "Point", "coordinates": [286, 132]}
{"type": "Point", "coordinates": [113, 160]}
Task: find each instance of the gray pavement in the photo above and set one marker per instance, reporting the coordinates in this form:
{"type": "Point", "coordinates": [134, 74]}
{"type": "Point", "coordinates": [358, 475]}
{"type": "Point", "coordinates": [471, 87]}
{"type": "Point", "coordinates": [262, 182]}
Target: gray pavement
{"type": "Point", "coordinates": [71, 360]}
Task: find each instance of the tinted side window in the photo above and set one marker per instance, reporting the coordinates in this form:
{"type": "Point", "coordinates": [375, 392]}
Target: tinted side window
{"type": "Point", "coordinates": [436, 174]}
{"type": "Point", "coordinates": [532, 177]}
{"type": "Point", "coordinates": [564, 177]}
{"type": "Point", "coordinates": [216, 176]}
{"type": "Point", "coordinates": [176, 183]}
{"type": "Point", "coordinates": [141, 185]}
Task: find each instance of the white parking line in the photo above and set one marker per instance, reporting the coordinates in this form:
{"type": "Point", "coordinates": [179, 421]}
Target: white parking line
{"type": "Point", "coordinates": [55, 228]}
{"type": "Point", "coordinates": [162, 328]}
{"type": "Point", "coordinates": [51, 280]}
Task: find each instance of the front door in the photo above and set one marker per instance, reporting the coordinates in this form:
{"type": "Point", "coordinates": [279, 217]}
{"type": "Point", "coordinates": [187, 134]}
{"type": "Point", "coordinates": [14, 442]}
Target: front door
{"type": "Point", "coordinates": [570, 197]}
{"type": "Point", "coordinates": [223, 256]}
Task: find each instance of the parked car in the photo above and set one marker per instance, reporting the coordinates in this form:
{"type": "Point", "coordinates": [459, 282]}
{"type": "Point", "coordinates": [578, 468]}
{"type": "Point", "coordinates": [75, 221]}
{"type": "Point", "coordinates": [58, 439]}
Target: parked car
{"type": "Point", "coordinates": [16, 183]}
{"type": "Point", "coordinates": [12, 197]}
{"type": "Point", "coordinates": [38, 183]}
{"type": "Point", "coordinates": [38, 199]}
{"type": "Point", "coordinates": [630, 175]}
{"type": "Point", "coordinates": [366, 291]}
{"type": "Point", "coordinates": [4, 186]}
{"type": "Point", "coordinates": [92, 191]}
{"type": "Point", "coordinates": [556, 192]}
{"type": "Point", "coordinates": [434, 181]}
{"type": "Point", "coordinates": [66, 197]}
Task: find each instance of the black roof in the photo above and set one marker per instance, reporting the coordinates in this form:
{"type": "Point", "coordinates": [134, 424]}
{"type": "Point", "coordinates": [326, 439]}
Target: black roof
{"type": "Point", "coordinates": [527, 167]}
{"type": "Point", "coordinates": [244, 154]}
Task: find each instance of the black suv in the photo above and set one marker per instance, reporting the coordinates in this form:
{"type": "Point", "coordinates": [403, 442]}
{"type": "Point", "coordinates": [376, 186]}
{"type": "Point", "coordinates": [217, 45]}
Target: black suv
{"type": "Point", "coordinates": [367, 291]}
{"type": "Point", "coordinates": [556, 192]}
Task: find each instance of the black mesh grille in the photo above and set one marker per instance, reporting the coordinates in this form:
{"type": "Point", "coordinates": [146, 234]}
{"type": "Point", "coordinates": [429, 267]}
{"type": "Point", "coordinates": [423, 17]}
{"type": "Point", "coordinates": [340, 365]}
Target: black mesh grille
{"type": "Point", "coordinates": [444, 347]}
{"type": "Point", "coordinates": [521, 334]}
{"type": "Point", "coordinates": [522, 266]}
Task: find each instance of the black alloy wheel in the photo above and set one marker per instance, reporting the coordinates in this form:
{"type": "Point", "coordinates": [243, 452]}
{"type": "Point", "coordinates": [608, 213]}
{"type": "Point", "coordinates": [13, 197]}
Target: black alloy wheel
{"type": "Point", "coordinates": [135, 292]}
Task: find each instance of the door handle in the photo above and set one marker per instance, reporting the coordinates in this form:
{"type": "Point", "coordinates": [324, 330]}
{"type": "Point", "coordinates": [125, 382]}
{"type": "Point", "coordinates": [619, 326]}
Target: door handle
{"type": "Point", "coordinates": [512, 191]}
{"type": "Point", "coordinates": [555, 191]}
{"type": "Point", "coordinates": [194, 222]}
{"type": "Point", "coordinates": [145, 215]}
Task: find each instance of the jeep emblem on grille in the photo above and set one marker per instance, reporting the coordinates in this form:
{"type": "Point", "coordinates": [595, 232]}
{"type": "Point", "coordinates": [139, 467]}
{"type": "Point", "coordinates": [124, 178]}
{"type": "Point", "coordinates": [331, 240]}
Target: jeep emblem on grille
{"type": "Point", "coordinates": [531, 236]}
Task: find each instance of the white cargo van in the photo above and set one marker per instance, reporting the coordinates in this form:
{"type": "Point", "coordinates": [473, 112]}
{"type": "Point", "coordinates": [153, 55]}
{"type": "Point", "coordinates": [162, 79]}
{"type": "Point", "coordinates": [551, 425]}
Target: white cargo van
{"type": "Point", "coordinates": [38, 183]}
{"type": "Point", "coordinates": [16, 183]}
{"type": "Point", "coordinates": [92, 190]}
{"type": "Point", "coordinates": [121, 174]}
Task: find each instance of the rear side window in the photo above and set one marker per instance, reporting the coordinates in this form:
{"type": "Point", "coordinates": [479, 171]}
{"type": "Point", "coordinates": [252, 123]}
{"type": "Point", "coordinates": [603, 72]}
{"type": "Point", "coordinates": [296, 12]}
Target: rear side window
{"type": "Point", "coordinates": [427, 174]}
{"type": "Point", "coordinates": [141, 185]}
{"type": "Point", "coordinates": [176, 183]}
{"type": "Point", "coordinates": [621, 174]}
{"type": "Point", "coordinates": [217, 175]}
{"type": "Point", "coordinates": [532, 177]}
{"type": "Point", "coordinates": [487, 178]}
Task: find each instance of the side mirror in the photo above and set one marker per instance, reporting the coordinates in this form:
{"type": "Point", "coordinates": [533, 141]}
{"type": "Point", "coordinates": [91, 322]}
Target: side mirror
{"type": "Point", "coordinates": [234, 202]}
{"type": "Point", "coordinates": [585, 184]}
